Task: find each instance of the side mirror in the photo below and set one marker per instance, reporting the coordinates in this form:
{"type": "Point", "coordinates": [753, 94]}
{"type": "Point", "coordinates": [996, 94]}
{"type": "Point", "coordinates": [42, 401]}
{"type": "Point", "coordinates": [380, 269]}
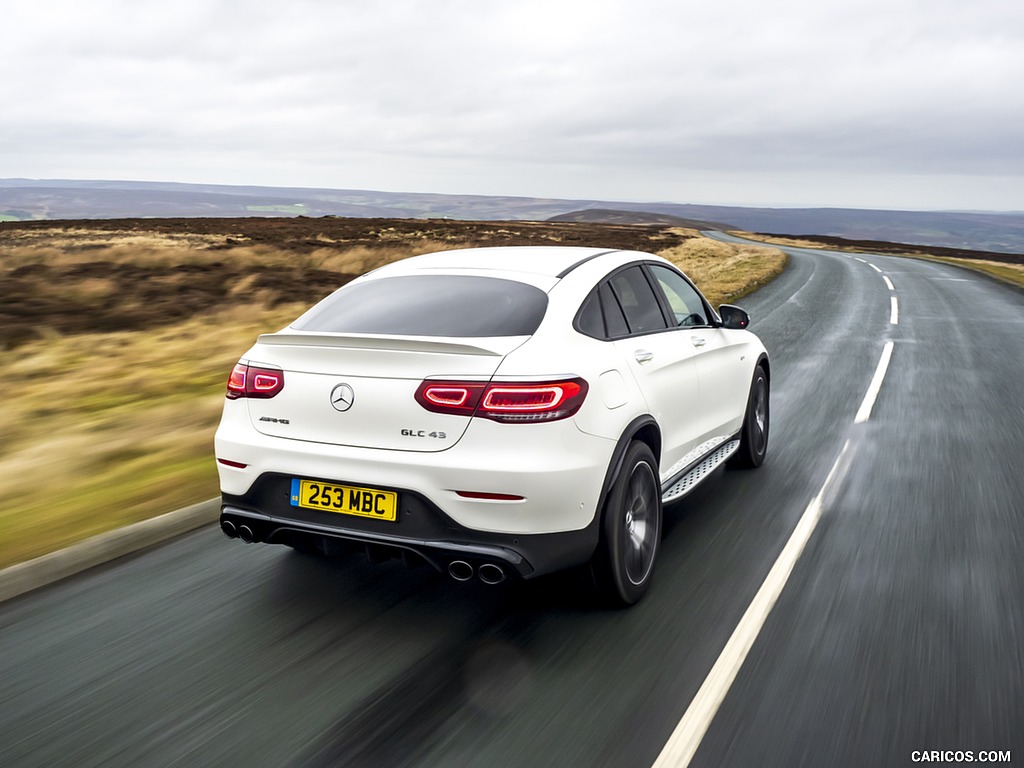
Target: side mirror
{"type": "Point", "coordinates": [733, 317]}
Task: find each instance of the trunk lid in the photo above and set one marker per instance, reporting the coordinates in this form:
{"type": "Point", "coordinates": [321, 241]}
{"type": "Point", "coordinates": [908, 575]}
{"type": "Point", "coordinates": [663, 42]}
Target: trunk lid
{"type": "Point", "coordinates": [358, 390]}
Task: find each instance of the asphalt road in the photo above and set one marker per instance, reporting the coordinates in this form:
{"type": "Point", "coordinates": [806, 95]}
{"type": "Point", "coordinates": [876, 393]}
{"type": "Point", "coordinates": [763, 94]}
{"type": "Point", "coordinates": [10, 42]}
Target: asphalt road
{"type": "Point", "coordinates": [900, 629]}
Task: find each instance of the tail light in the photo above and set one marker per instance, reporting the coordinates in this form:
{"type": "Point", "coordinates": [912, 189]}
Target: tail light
{"type": "Point", "coordinates": [504, 401]}
{"type": "Point", "coordinates": [251, 381]}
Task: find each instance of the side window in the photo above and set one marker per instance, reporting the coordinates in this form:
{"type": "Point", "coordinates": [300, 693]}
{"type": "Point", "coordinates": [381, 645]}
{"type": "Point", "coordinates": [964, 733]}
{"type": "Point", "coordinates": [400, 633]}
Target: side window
{"type": "Point", "coordinates": [638, 301]}
{"type": "Point", "coordinates": [614, 320]}
{"type": "Point", "coordinates": [600, 317]}
{"type": "Point", "coordinates": [687, 307]}
{"type": "Point", "coordinates": [589, 320]}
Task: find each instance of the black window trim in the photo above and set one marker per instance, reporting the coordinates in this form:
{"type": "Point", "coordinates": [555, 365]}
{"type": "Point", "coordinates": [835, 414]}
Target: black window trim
{"type": "Point", "coordinates": [659, 293]}
{"type": "Point", "coordinates": [618, 303]}
{"type": "Point", "coordinates": [582, 261]}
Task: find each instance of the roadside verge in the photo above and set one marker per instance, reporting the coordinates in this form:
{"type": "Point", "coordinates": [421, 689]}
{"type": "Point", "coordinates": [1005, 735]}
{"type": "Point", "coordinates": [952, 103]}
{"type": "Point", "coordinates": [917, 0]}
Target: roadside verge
{"type": "Point", "coordinates": [24, 577]}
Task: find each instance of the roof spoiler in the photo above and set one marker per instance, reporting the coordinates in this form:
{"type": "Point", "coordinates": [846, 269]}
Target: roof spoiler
{"type": "Point", "coordinates": [490, 346]}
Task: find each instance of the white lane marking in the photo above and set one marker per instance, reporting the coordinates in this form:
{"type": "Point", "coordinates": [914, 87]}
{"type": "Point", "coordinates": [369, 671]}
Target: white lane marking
{"type": "Point", "coordinates": [864, 413]}
{"type": "Point", "coordinates": [894, 311]}
{"type": "Point", "coordinates": [683, 743]}
{"type": "Point", "coordinates": [873, 266]}
{"type": "Point", "coordinates": [862, 261]}
{"type": "Point", "coordinates": [888, 283]}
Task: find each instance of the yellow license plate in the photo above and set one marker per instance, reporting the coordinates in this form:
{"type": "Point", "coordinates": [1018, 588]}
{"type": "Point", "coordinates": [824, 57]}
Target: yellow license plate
{"type": "Point", "coordinates": [346, 499]}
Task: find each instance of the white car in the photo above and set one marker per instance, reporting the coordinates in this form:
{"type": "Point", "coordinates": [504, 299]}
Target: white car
{"type": "Point", "coordinates": [496, 411]}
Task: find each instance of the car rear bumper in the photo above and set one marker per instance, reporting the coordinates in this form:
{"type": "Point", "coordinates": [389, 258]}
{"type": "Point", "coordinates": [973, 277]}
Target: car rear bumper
{"type": "Point", "coordinates": [264, 514]}
{"type": "Point", "coordinates": [499, 478]}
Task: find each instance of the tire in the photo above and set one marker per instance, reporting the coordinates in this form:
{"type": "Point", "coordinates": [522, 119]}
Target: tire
{"type": "Point", "coordinates": [754, 435]}
{"type": "Point", "coordinates": [623, 565]}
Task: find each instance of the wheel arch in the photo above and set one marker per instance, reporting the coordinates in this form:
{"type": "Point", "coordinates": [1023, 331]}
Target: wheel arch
{"type": "Point", "coordinates": [643, 428]}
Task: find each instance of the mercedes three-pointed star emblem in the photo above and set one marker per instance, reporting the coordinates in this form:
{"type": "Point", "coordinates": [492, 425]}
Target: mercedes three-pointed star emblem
{"type": "Point", "coordinates": [342, 397]}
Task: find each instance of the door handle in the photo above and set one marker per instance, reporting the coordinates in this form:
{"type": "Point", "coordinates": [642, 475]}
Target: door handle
{"type": "Point", "coordinates": [643, 356]}
{"type": "Point", "coordinates": [698, 341]}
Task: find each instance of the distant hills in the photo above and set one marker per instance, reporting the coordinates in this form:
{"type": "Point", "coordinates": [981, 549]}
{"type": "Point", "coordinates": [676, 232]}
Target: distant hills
{"type": "Point", "coordinates": [994, 232]}
{"type": "Point", "coordinates": [613, 216]}
{"type": "Point", "coordinates": [59, 199]}
{"type": "Point", "coordinates": [64, 199]}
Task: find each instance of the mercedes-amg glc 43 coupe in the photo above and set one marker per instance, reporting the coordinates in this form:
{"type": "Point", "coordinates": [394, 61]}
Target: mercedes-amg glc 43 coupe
{"type": "Point", "coordinates": [497, 412]}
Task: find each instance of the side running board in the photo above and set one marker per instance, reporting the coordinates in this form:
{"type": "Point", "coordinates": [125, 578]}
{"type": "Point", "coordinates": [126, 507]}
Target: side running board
{"type": "Point", "coordinates": [689, 481]}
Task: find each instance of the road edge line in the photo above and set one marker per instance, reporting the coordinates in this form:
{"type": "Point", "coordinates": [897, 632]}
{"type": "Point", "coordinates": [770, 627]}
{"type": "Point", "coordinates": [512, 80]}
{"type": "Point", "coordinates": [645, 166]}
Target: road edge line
{"type": "Point", "coordinates": [33, 574]}
{"type": "Point", "coordinates": [687, 736]}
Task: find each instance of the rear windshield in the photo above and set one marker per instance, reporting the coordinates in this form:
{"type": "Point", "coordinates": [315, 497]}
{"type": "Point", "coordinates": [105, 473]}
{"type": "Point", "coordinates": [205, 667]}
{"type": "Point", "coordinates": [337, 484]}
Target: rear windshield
{"type": "Point", "coordinates": [430, 305]}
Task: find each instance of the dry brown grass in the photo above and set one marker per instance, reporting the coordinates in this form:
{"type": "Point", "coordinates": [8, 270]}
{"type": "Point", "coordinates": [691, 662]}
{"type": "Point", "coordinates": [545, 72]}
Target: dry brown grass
{"type": "Point", "coordinates": [1008, 273]}
{"type": "Point", "coordinates": [157, 252]}
{"type": "Point", "coordinates": [789, 242]}
{"type": "Point", "coordinates": [723, 271]}
{"type": "Point", "coordinates": [101, 430]}
{"type": "Point", "coordinates": [61, 288]}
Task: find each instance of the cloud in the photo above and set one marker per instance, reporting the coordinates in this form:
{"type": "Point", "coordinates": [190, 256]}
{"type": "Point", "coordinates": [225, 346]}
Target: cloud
{"type": "Point", "coordinates": [580, 93]}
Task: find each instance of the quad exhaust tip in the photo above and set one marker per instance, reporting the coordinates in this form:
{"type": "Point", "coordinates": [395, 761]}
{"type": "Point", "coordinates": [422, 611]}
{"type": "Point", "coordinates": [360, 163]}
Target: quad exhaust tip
{"type": "Point", "coordinates": [243, 532]}
{"type": "Point", "coordinates": [460, 570]}
{"type": "Point", "coordinates": [491, 574]}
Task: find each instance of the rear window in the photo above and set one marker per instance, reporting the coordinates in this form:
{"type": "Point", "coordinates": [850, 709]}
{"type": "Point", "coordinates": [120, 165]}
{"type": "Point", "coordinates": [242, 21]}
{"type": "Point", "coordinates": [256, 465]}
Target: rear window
{"type": "Point", "coordinates": [430, 305]}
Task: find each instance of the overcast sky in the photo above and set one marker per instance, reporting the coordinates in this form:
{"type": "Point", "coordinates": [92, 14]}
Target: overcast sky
{"type": "Point", "coordinates": [914, 104]}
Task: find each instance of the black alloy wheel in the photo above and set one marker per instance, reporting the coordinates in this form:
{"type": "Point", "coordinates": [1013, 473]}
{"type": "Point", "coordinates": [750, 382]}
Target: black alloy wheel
{"type": "Point", "coordinates": [631, 530]}
{"type": "Point", "coordinates": [754, 437]}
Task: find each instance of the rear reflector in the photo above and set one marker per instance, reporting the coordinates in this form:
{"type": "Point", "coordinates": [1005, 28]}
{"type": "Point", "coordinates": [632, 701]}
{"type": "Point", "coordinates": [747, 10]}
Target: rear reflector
{"type": "Point", "coordinates": [250, 381]}
{"type": "Point", "coordinates": [489, 496]}
{"type": "Point", "coordinates": [507, 402]}
{"type": "Point", "coordinates": [235, 464]}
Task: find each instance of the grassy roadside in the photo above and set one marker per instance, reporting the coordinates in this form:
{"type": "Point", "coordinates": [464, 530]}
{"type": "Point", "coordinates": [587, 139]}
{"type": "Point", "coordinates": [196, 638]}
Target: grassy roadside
{"type": "Point", "coordinates": [106, 429]}
{"type": "Point", "coordinates": [103, 429]}
{"type": "Point", "coordinates": [1007, 273]}
{"type": "Point", "coordinates": [725, 272]}
{"type": "Point", "coordinates": [1003, 271]}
